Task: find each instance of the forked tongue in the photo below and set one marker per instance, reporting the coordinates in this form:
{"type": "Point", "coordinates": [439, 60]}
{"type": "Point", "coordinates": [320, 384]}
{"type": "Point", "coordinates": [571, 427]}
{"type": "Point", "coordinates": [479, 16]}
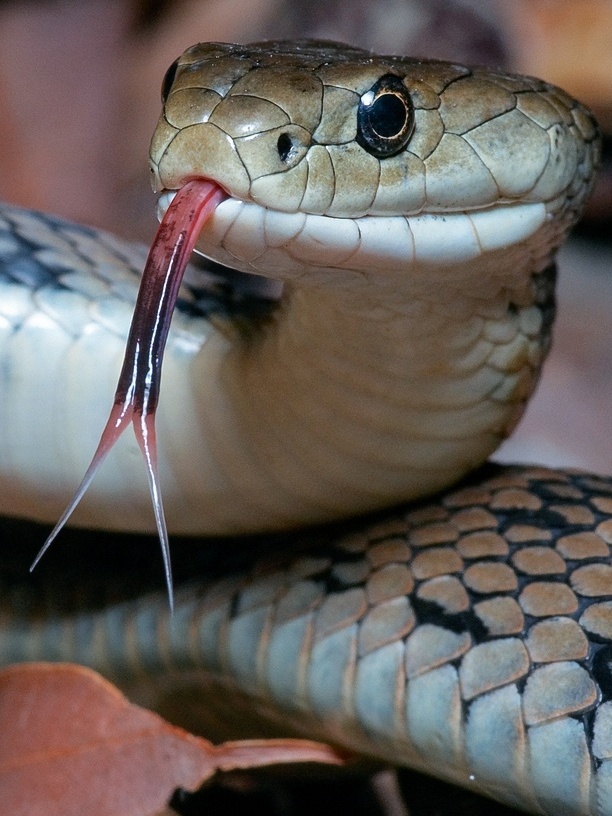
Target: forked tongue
{"type": "Point", "coordinates": [138, 387]}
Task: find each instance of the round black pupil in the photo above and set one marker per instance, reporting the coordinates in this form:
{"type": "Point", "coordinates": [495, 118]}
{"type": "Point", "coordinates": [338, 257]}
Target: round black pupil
{"type": "Point", "coordinates": [387, 115]}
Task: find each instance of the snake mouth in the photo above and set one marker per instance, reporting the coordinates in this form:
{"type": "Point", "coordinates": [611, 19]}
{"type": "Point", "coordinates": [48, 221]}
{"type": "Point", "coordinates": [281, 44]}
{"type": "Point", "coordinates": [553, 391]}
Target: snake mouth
{"type": "Point", "coordinates": [245, 286]}
{"type": "Point", "coordinates": [248, 237]}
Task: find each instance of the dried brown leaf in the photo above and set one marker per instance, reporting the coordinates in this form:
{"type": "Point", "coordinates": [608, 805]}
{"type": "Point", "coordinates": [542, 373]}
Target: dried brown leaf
{"type": "Point", "coordinates": [71, 743]}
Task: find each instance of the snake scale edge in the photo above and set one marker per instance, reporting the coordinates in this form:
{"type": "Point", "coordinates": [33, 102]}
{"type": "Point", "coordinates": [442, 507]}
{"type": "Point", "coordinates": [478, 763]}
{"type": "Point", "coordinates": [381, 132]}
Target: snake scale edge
{"type": "Point", "coordinates": [410, 211]}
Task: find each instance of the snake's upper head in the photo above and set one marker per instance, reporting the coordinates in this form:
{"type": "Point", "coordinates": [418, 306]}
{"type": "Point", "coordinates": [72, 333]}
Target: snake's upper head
{"type": "Point", "coordinates": [332, 131]}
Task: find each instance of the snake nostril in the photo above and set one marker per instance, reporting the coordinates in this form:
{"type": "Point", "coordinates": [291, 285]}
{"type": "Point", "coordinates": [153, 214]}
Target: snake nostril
{"type": "Point", "coordinates": [285, 147]}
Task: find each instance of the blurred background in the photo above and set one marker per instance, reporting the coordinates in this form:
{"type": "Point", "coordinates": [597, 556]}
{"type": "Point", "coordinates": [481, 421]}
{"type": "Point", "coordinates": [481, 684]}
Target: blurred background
{"type": "Point", "coordinates": [79, 98]}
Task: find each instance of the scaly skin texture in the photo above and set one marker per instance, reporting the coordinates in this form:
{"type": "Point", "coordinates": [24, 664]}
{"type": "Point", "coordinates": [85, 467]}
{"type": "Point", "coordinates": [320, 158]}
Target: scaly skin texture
{"type": "Point", "coordinates": [469, 637]}
{"type": "Point", "coordinates": [415, 314]}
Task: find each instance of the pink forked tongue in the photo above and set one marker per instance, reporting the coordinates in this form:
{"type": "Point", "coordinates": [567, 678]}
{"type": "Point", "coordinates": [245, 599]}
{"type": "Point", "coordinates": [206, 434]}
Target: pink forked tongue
{"type": "Point", "coordinates": [138, 387]}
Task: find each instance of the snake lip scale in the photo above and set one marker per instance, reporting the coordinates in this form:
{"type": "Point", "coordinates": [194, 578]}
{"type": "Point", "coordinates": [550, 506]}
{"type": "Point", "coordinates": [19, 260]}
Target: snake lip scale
{"type": "Point", "coordinates": [410, 211]}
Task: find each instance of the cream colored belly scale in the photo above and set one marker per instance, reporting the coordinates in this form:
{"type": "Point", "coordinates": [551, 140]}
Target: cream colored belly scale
{"type": "Point", "coordinates": [422, 393]}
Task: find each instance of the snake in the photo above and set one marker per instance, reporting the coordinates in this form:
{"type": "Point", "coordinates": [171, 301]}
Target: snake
{"type": "Point", "coordinates": [371, 317]}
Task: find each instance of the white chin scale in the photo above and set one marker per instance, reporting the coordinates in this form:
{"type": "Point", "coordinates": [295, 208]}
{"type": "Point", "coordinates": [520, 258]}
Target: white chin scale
{"type": "Point", "coordinates": [246, 236]}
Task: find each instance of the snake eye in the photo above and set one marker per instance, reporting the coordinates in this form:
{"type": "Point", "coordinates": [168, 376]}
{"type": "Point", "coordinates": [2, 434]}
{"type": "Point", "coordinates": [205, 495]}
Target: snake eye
{"type": "Point", "coordinates": [385, 118]}
{"type": "Point", "coordinates": [168, 80]}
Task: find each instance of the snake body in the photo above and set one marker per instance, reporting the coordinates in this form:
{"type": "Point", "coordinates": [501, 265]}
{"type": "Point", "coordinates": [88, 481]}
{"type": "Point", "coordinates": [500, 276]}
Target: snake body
{"type": "Point", "coordinates": [415, 242]}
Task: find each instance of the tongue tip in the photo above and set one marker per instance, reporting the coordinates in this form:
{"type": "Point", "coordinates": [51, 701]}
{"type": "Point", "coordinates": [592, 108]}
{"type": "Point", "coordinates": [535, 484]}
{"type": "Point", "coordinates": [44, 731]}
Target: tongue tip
{"type": "Point", "coordinates": [186, 211]}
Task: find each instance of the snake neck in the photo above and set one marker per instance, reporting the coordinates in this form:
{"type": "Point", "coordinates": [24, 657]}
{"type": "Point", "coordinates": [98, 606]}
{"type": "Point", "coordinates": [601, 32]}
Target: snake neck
{"type": "Point", "coordinates": [356, 397]}
{"type": "Point", "coordinates": [417, 308]}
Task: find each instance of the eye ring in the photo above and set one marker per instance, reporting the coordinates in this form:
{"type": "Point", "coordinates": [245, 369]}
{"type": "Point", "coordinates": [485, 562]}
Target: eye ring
{"type": "Point", "coordinates": [385, 117]}
{"type": "Point", "coordinates": [168, 80]}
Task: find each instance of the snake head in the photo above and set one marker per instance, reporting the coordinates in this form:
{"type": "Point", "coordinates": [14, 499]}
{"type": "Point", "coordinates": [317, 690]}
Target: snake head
{"type": "Point", "coordinates": [322, 140]}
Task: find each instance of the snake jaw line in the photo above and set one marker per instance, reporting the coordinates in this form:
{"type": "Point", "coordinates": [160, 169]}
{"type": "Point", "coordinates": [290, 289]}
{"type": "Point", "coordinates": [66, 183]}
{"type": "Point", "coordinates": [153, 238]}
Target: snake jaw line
{"type": "Point", "coordinates": [137, 391]}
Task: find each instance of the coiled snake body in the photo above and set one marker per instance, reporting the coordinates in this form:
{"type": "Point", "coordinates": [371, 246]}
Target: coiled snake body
{"type": "Point", "coordinates": [411, 211]}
